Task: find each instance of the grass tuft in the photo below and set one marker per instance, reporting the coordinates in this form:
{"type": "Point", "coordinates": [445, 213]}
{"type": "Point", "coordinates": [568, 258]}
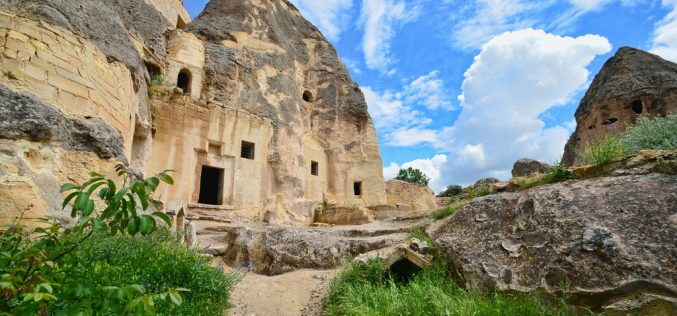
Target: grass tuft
{"type": "Point", "coordinates": [603, 150]}
{"type": "Point", "coordinates": [364, 289]}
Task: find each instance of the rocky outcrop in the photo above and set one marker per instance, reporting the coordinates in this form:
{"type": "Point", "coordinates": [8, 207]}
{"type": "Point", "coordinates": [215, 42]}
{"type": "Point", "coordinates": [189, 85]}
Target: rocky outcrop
{"type": "Point", "coordinates": [410, 196]}
{"type": "Point", "coordinates": [607, 239]}
{"type": "Point", "coordinates": [275, 250]}
{"type": "Point", "coordinates": [273, 79]}
{"type": "Point", "coordinates": [631, 83]}
{"type": "Point", "coordinates": [25, 117]}
{"type": "Point", "coordinates": [526, 167]}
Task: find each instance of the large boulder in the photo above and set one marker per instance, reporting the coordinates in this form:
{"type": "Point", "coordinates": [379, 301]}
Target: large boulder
{"type": "Point", "coordinates": [631, 83]}
{"type": "Point", "coordinates": [526, 167]}
{"type": "Point", "coordinates": [274, 250]}
{"type": "Point", "coordinates": [417, 197]}
{"type": "Point", "coordinates": [611, 240]}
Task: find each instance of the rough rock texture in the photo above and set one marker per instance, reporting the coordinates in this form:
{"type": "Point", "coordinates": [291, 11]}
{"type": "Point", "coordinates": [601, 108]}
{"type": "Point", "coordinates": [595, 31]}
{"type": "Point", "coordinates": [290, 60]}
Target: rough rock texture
{"type": "Point", "coordinates": [419, 198]}
{"type": "Point", "coordinates": [526, 167]}
{"type": "Point", "coordinates": [24, 117]}
{"type": "Point", "coordinates": [104, 22]}
{"type": "Point", "coordinates": [607, 238]}
{"type": "Point", "coordinates": [291, 96]}
{"type": "Point", "coordinates": [630, 83]}
{"type": "Point", "coordinates": [276, 250]}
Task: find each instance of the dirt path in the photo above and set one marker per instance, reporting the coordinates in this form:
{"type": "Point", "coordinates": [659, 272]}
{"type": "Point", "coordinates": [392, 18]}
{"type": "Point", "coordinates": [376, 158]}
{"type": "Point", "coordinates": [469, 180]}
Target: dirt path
{"type": "Point", "coordinates": [295, 293]}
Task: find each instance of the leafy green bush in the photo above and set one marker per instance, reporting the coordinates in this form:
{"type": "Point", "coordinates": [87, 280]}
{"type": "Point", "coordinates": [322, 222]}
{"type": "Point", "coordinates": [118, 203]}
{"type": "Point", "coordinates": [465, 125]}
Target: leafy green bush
{"type": "Point", "coordinates": [412, 175]}
{"type": "Point", "coordinates": [158, 262]}
{"type": "Point", "coordinates": [44, 271]}
{"type": "Point", "coordinates": [364, 289]}
{"type": "Point", "coordinates": [452, 190]}
{"type": "Point", "coordinates": [652, 133]}
{"type": "Point", "coordinates": [603, 150]}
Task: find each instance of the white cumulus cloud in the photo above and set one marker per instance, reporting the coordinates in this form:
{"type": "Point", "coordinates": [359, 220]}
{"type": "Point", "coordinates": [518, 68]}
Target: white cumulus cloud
{"type": "Point", "coordinates": [516, 77]}
{"type": "Point", "coordinates": [330, 16]}
{"type": "Point", "coordinates": [665, 35]}
{"type": "Point", "coordinates": [430, 167]}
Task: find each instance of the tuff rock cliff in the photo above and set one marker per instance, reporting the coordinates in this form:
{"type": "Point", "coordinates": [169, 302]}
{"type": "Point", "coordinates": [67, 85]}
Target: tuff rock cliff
{"type": "Point", "coordinates": [631, 83]}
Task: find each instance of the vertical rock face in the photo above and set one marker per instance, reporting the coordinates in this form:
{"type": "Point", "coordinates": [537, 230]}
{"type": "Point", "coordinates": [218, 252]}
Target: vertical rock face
{"type": "Point", "coordinates": [315, 142]}
{"type": "Point", "coordinates": [267, 121]}
{"type": "Point", "coordinates": [631, 83]}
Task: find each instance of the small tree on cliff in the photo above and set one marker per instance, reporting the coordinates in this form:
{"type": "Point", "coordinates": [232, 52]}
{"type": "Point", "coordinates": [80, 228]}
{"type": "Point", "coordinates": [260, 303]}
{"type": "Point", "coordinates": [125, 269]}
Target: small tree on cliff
{"type": "Point", "coordinates": [413, 175]}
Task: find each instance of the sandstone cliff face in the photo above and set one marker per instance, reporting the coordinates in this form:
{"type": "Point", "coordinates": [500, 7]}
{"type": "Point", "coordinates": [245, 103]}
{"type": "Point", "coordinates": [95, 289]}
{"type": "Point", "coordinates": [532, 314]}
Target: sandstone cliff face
{"type": "Point", "coordinates": [252, 73]}
{"type": "Point", "coordinates": [410, 196]}
{"type": "Point", "coordinates": [611, 240]}
{"type": "Point", "coordinates": [631, 83]}
{"type": "Point", "coordinates": [315, 143]}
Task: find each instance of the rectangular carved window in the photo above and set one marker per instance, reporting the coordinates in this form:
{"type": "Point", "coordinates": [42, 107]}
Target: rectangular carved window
{"type": "Point", "coordinates": [314, 168]}
{"type": "Point", "coordinates": [357, 187]}
{"type": "Point", "coordinates": [247, 150]}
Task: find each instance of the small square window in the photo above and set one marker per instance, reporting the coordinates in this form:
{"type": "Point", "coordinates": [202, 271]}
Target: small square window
{"type": "Point", "coordinates": [357, 187]}
{"type": "Point", "coordinates": [247, 150]}
{"type": "Point", "coordinates": [314, 168]}
{"type": "Point", "coordinates": [214, 149]}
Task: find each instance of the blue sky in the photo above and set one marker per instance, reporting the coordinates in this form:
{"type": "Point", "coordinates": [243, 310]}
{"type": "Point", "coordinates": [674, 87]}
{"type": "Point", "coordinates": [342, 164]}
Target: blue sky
{"type": "Point", "coordinates": [462, 89]}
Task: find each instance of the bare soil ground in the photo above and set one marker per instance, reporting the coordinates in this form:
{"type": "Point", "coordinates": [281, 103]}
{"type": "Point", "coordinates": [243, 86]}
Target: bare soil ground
{"type": "Point", "coordinates": [295, 293]}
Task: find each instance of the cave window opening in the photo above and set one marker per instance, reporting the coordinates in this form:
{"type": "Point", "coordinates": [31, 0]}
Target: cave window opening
{"type": "Point", "coordinates": [610, 121]}
{"type": "Point", "coordinates": [183, 80]}
{"type": "Point", "coordinates": [637, 107]}
{"type": "Point", "coordinates": [180, 24]}
{"type": "Point", "coordinates": [211, 185]}
{"type": "Point", "coordinates": [153, 70]}
{"type": "Point", "coordinates": [308, 96]}
{"type": "Point", "coordinates": [247, 150]}
{"type": "Point", "coordinates": [357, 188]}
{"type": "Point", "coordinates": [403, 270]}
{"type": "Point", "coordinates": [314, 168]}
{"type": "Point", "coordinates": [593, 126]}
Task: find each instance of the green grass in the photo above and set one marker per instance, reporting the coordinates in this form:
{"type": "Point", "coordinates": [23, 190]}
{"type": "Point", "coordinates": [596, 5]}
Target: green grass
{"type": "Point", "coordinates": [558, 173]}
{"type": "Point", "coordinates": [363, 289]}
{"type": "Point", "coordinates": [444, 212]}
{"type": "Point", "coordinates": [419, 233]}
{"type": "Point", "coordinates": [158, 261]}
{"type": "Point", "coordinates": [603, 150]}
{"type": "Point", "coordinates": [478, 191]}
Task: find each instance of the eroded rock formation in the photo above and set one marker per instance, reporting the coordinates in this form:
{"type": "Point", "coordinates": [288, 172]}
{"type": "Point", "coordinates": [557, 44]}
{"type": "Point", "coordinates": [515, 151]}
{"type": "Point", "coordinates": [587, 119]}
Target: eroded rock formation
{"type": "Point", "coordinates": [610, 239]}
{"type": "Point", "coordinates": [631, 83]}
{"type": "Point", "coordinates": [265, 119]}
{"type": "Point", "coordinates": [410, 196]}
{"type": "Point", "coordinates": [526, 167]}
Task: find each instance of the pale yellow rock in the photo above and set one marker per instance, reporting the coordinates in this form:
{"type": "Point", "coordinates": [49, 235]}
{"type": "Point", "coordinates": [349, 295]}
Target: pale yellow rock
{"type": "Point", "coordinates": [419, 198]}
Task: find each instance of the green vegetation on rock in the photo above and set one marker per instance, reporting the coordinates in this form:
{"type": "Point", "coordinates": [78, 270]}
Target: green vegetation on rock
{"type": "Point", "coordinates": [113, 261]}
{"type": "Point", "coordinates": [364, 289]}
{"type": "Point", "coordinates": [659, 133]}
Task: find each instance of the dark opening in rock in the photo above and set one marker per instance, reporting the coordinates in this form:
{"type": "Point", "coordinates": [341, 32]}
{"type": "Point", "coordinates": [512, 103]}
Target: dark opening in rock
{"type": "Point", "coordinates": [637, 106]}
{"type": "Point", "coordinates": [153, 69]}
{"type": "Point", "coordinates": [403, 270]}
{"type": "Point", "coordinates": [357, 188]}
{"type": "Point", "coordinates": [211, 180]}
{"type": "Point", "coordinates": [308, 96]}
{"type": "Point", "coordinates": [610, 121]}
{"type": "Point", "coordinates": [593, 126]}
{"type": "Point", "coordinates": [247, 150]}
{"type": "Point", "coordinates": [183, 80]}
{"type": "Point", "coordinates": [314, 168]}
